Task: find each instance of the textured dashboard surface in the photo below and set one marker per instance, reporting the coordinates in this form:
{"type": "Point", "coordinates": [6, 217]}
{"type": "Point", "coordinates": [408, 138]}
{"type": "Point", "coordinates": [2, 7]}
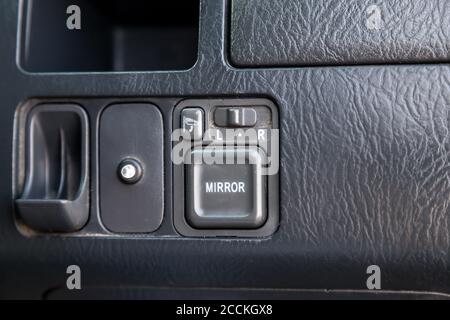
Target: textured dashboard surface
{"type": "Point", "coordinates": [329, 32]}
{"type": "Point", "coordinates": [365, 178]}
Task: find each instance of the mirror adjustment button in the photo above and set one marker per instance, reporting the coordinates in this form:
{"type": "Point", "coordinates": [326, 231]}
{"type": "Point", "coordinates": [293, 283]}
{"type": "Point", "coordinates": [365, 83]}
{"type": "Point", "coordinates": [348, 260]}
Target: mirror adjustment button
{"type": "Point", "coordinates": [222, 195]}
{"type": "Point", "coordinates": [192, 122]}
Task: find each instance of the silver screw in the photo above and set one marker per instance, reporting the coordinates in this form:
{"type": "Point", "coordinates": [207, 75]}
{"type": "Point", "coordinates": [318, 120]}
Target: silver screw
{"type": "Point", "coordinates": [130, 171]}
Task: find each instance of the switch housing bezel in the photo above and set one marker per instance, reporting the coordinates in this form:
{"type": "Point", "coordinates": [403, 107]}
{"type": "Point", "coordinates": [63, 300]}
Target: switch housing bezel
{"type": "Point", "coordinates": [268, 121]}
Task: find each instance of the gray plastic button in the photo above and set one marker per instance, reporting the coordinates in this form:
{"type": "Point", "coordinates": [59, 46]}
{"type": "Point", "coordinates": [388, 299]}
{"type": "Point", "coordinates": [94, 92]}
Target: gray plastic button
{"type": "Point", "coordinates": [192, 122]}
{"type": "Point", "coordinates": [226, 196]}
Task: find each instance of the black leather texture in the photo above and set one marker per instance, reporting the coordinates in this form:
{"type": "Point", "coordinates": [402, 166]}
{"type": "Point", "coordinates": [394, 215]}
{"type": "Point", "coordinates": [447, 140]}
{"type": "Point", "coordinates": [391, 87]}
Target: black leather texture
{"type": "Point", "coordinates": [365, 177]}
{"type": "Point", "coordinates": [338, 32]}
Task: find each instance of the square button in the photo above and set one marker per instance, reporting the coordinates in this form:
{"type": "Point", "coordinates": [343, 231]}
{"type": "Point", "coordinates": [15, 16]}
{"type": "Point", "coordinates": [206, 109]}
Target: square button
{"type": "Point", "coordinates": [228, 193]}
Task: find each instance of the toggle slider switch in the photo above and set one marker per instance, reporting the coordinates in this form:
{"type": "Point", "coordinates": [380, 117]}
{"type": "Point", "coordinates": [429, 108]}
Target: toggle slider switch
{"type": "Point", "coordinates": [235, 117]}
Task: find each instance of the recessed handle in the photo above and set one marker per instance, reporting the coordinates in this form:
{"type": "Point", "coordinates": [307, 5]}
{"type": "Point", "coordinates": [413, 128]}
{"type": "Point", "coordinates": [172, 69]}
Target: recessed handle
{"type": "Point", "coordinates": [55, 194]}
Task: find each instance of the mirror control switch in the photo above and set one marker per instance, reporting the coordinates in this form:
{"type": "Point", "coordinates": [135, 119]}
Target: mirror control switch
{"type": "Point", "coordinates": [225, 195]}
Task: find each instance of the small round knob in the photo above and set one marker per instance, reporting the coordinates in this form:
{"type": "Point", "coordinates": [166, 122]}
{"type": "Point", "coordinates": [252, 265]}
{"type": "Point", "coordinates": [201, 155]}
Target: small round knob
{"type": "Point", "coordinates": [130, 171]}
